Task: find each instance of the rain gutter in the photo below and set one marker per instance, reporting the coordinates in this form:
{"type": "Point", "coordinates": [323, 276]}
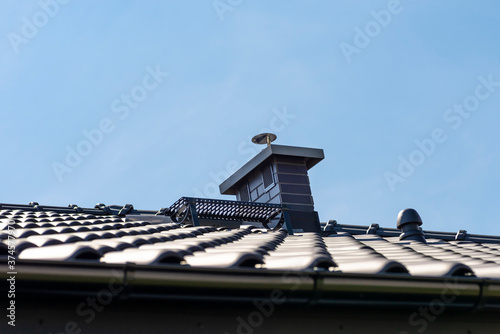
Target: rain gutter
{"type": "Point", "coordinates": [239, 285]}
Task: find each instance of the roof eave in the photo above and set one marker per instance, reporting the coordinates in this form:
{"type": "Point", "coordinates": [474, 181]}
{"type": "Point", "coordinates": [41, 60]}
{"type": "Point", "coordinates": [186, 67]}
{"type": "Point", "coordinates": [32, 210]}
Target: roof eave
{"type": "Point", "coordinates": [311, 287]}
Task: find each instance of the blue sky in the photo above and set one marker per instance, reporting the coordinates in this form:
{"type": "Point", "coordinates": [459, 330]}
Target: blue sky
{"type": "Point", "coordinates": [158, 99]}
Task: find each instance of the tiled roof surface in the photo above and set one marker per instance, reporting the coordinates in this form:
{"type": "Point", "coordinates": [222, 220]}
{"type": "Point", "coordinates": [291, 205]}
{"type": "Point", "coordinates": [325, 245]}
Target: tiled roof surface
{"type": "Point", "coordinates": [151, 240]}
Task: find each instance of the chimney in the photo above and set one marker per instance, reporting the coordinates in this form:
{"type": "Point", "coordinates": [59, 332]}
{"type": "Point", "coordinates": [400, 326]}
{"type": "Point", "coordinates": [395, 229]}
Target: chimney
{"type": "Point", "coordinates": [279, 175]}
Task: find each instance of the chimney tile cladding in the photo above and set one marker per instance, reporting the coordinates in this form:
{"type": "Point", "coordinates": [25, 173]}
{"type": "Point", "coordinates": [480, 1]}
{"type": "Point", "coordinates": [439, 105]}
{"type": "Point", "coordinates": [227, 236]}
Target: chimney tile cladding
{"type": "Point", "coordinates": [296, 189]}
{"type": "Point", "coordinates": [293, 178]}
{"type": "Point", "coordinates": [254, 180]}
{"type": "Point", "coordinates": [292, 169]}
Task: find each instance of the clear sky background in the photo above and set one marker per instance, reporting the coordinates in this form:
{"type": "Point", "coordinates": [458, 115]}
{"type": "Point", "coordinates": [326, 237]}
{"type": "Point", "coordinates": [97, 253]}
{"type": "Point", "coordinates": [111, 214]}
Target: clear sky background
{"type": "Point", "coordinates": [378, 85]}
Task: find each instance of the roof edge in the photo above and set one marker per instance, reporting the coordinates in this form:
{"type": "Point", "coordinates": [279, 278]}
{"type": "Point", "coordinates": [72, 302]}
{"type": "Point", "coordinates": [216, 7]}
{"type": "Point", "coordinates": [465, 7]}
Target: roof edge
{"type": "Point", "coordinates": [311, 287]}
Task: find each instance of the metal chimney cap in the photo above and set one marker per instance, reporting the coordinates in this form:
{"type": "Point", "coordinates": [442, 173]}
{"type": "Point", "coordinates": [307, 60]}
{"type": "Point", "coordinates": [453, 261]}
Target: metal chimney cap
{"type": "Point", "coordinates": [407, 216]}
{"type": "Point", "coordinates": [264, 138]}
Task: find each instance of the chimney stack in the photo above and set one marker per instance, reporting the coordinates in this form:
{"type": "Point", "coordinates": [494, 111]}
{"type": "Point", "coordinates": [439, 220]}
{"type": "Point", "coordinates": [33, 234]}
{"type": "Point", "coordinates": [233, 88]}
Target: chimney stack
{"type": "Point", "coordinates": [279, 175]}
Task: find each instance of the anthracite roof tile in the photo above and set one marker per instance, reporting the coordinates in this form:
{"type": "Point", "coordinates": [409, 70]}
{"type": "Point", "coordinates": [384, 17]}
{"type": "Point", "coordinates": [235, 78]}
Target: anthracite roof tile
{"type": "Point", "coordinates": [302, 261]}
{"type": "Point", "coordinates": [20, 246]}
{"type": "Point", "coordinates": [143, 256]}
{"type": "Point", "coordinates": [487, 270]}
{"type": "Point", "coordinates": [179, 247]}
{"type": "Point", "coordinates": [63, 252]}
{"type": "Point", "coordinates": [228, 259]}
{"type": "Point", "coordinates": [45, 240]}
{"type": "Point", "coordinates": [439, 268]}
{"type": "Point", "coordinates": [370, 265]}
{"type": "Point", "coordinates": [147, 240]}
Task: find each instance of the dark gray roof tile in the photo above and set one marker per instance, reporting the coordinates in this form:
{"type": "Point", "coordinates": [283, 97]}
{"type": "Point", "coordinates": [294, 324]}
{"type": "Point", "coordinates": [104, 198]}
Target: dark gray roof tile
{"type": "Point", "coordinates": [24, 233]}
{"type": "Point", "coordinates": [181, 248]}
{"type": "Point", "coordinates": [487, 270]}
{"type": "Point", "coordinates": [373, 265]}
{"type": "Point", "coordinates": [298, 262]}
{"type": "Point", "coordinates": [116, 244]}
{"type": "Point", "coordinates": [20, 246]}
{"type": "Point", "coordinates": [26, 225]}
{"type": "Point", "coordinates": [439, 268]}
{"type": "Point", "coordinates": [133, 240]}
{"type": "Point", "coordinates": [87, 235]}
{"type": "Point", "coordinates": [55, 239]}
{"type": "Point", "coordinates": [143, 256]}
{"type": "Point", "coordinates": [64, 252]}
{"type": "Point", "coordinates": [73, 236]}
{"type": "Point", "coordinates": [224, 260]}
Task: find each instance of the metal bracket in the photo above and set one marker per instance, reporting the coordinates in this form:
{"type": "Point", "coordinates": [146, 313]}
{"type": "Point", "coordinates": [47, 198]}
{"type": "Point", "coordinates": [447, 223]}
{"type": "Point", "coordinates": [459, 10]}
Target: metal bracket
{"type": "Point", "coordinates": [286, 217]}
{"type": "Point", "coordinates": [462, 235]}
{"type": "Point", "coordinates": [162, 212]}
{"type": "Point", "coordinates": [126, 209]}
{"type": "Point", "coordinates": [373, 229]}
{"type": "Point", "coordinates": [194, 213]}
{"type": "Point", "coordinates": [329, 227]}
{"type": "Point", "coordinates": [75, 207]}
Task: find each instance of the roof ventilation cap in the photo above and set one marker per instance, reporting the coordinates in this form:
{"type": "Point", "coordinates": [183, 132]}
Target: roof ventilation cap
{"type": "Point", "coordinates": [408, 222]}
{"type": "Point", "coordinates": [264, 138]}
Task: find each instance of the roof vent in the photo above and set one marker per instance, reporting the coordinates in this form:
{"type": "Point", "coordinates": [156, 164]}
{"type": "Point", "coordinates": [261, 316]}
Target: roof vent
{"type": "Point", "coordinates": [279, 175]}
{"type": "Point", "coordinates": [408, 222]}
{"type": "Point", "coordinates": [264, 138]}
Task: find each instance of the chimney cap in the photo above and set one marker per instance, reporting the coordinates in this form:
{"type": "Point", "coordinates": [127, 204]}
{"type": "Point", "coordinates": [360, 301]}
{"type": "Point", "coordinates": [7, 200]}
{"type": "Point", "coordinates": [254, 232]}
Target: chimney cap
{"type": "Point", "coordinates": [311, 155]}
{"type": "Point", "coordinates": [264, 138]}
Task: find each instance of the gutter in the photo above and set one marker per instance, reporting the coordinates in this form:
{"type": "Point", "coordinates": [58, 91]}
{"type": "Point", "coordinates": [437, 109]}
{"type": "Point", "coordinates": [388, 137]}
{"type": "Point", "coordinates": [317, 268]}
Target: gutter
{"type": "Point", "coordinates": [60, 279]}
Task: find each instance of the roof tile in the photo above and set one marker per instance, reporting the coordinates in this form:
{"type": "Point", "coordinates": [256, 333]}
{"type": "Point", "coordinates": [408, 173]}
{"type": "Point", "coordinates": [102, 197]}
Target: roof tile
{"type": "Point", "coordinates": [60, 236]}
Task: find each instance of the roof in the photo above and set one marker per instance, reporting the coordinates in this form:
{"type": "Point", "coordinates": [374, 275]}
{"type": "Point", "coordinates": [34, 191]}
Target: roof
{"type": "Point", "coordinates": [106, 236]}
{"type": "Point", "coordinates": [152, 268]}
